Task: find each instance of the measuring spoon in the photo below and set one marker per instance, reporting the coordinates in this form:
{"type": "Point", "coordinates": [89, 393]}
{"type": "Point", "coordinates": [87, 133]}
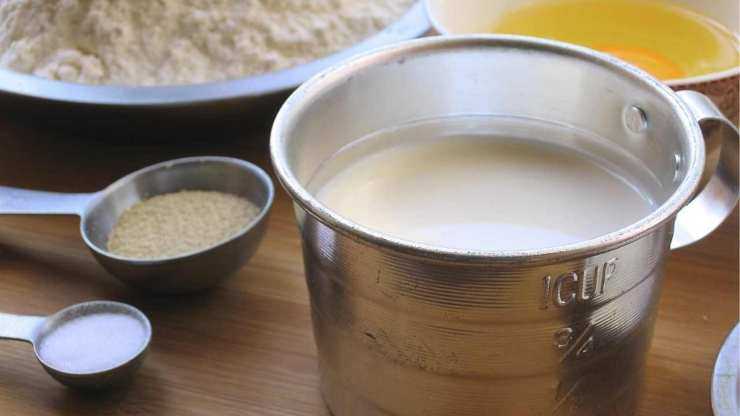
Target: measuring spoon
{"type": "Point", "coordinates": [100, 211]}
{"type": "Point", "coordinates": [53, 336]}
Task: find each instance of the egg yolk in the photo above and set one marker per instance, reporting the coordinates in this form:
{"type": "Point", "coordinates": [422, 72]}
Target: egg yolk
{"type": "Point", "coordinates": [645, 59]}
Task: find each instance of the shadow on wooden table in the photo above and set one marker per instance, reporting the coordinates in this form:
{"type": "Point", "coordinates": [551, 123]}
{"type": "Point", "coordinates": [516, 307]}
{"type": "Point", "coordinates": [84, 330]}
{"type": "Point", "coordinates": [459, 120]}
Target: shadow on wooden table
{"type": "Point", "coordinates": [234, 117]}
{"type": "Point", "coordinates": [150, 399]}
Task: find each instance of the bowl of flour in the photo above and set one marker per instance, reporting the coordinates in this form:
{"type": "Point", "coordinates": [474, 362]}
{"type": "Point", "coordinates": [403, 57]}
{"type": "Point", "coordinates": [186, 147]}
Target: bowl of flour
{"type": "Point", "coordinates": [170, 56]}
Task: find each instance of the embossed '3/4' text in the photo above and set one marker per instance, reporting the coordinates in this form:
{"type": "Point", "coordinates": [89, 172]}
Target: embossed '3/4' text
{"type": "Point", "coordinates": [578, 286]}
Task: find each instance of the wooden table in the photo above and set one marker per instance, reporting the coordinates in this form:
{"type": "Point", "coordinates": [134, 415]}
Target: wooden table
{"type": "Point", "coordinates": [246, 347]}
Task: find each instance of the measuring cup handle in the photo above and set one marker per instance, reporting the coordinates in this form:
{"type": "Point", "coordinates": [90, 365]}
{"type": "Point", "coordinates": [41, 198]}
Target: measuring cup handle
{"type": "Point", "coordinates": [23, 201]}
{"type": "Point", "coordinates": [719, 195]}
{"type": "Point", "coordinates": [19, 327]}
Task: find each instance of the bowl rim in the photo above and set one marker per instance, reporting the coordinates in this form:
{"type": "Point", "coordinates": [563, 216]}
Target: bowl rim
{"type": "Point", "coordinates": [704, 79]}
{"type": "Point", "coordinates": [411, 24]}
{"type": "Point", "coordinates": [304, 96]}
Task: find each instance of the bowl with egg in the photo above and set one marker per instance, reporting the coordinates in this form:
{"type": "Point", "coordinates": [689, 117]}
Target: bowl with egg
{"type": "Point", "coordinates": [179, 59]}
{"type": "Point", "coordinates": [688, 44]}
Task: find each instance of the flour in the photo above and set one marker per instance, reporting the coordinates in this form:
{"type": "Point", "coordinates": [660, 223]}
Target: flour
{"type": "Point", "coordinates": [163, 42]}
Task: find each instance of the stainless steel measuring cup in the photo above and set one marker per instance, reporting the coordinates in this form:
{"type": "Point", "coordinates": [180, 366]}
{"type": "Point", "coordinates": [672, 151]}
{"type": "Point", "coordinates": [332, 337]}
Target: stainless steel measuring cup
{"type": "Point", "coordinates": [186, 273]}
{"type": "Point", "coordinates": [407, 329]}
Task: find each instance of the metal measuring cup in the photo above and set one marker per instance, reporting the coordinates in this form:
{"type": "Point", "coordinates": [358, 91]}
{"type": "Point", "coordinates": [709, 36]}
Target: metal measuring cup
{"type": "Point", "coordinates": [410, 329]}
{"type": "Point", "coordinates": [35, 329]}
{"type": "Point", "coordinates": [100, 211]}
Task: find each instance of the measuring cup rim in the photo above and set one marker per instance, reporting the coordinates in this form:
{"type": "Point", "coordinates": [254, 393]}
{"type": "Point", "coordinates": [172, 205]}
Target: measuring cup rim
{"type": "Point", "coordinates": [253, 169]}
{"type": "Point", "coordinates": [140, 317]}
{"type": "Point", "coordinates": [306, 96]}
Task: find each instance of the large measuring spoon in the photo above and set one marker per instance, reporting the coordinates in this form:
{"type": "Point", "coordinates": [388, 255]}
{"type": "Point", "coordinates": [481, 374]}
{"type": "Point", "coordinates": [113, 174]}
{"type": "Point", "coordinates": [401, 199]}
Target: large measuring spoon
{"type": "Point", "coordinates": [100, 211]}
{"type": "Point", "coordinates": [90, 345]}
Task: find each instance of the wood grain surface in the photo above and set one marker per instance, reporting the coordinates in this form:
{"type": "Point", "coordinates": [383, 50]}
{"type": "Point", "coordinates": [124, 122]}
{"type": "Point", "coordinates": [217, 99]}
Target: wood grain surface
{"type": "Point", "coordinates": [246, 348]}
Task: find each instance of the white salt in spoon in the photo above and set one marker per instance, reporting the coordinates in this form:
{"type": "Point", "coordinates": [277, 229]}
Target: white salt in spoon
{"type": "Point", "coordinates": [92, 345]}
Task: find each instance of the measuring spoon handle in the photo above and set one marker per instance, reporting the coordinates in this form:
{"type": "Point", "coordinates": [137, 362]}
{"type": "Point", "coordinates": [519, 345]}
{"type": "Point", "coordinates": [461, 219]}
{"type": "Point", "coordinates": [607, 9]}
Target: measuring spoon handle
{"type": "Point", "coordinates": [19, 327]}
{"type": "Point", "coordinates": [24, 201]}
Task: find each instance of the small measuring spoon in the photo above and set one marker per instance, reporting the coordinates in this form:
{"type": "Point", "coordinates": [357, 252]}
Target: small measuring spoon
{"type": "Point", "coordinates": [82, 328]}
{"type": "Point", "coordinates": [100, 211]}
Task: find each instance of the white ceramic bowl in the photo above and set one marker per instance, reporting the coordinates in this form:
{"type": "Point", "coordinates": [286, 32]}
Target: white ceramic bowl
{"type": "Point", "coordinates": [459, 17]}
